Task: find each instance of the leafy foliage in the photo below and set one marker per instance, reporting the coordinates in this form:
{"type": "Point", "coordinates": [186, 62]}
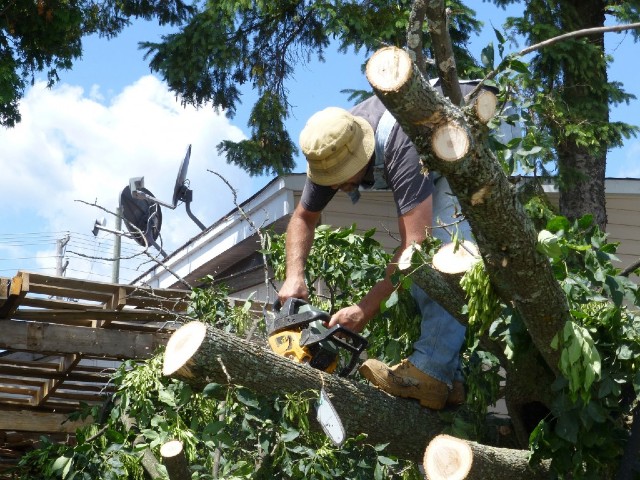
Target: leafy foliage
{"type": "Point", "coordinates": [46, 36]}
{"type": "Point", "coordinates": [586, 428]}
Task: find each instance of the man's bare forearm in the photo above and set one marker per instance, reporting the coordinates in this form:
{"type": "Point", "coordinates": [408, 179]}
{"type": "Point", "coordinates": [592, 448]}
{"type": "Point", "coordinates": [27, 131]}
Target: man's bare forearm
{"type": "Point", "coordinates": [300, 234]}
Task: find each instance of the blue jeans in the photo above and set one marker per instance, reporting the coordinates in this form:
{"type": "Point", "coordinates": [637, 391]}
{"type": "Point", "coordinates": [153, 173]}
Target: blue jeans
{"type": "Point", "coordinates": [437, 351]}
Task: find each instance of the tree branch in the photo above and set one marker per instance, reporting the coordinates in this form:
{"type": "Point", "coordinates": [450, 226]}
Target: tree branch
{"type": "Point", "coordinates": [454, 143]}
{"type": "Point", "coordinates": [438, 23]}
{"type": "Point", "coordinates": [192, 356]}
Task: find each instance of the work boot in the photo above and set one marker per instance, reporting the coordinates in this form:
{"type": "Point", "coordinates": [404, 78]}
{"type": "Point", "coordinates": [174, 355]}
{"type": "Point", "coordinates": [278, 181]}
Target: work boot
{"type": "Point", "coordinates": [406, 381]}
{"type": "Point", "coordinates": [456, 394]}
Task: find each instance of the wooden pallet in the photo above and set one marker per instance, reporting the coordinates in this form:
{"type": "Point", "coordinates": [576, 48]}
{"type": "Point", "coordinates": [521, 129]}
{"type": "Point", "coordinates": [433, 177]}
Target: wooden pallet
{"type": "Point", "coordinates": [62, 338]}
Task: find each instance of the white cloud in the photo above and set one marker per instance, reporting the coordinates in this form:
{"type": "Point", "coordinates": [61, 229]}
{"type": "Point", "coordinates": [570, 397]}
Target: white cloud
{"type": "Point", "coordinates": [70, 146]}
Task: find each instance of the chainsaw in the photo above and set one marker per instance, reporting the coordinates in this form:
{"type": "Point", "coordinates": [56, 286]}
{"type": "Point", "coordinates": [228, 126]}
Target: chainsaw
{"type": "Point", "coordinates": [296, 331]}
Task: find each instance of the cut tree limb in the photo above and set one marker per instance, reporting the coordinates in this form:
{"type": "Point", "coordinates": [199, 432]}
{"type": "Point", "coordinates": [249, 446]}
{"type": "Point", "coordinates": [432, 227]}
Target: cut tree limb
{"type": "Point", "coordinates": [450, 458]}
{"type": "Point", "coordinates": [455, 259]}
{"type": "Point", "coordinates": [443, 289]}
{"type": "Point", "coordinates": [175, 461]}
{"type": "Point", "coordinates": [450, 142]}
{"type": "Point", "coordinates": [199, 354]}
{"type": "Point", "coordinates": [438, 23]}
{"type": "Point", "coordinates": [485, 105]}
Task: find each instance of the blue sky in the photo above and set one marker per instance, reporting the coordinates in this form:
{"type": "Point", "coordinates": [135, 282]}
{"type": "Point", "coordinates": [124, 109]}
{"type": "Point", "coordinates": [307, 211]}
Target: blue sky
{"type": "Point", "coordinates": [109, 119]}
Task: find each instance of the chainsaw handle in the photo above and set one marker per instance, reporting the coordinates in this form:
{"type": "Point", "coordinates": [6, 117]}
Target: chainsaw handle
{"type": "Point", "coordinates": [356, 347]}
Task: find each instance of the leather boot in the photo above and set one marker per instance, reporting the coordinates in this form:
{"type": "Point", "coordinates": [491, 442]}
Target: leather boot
{"type": "Point", "coordinates": [406, 381]}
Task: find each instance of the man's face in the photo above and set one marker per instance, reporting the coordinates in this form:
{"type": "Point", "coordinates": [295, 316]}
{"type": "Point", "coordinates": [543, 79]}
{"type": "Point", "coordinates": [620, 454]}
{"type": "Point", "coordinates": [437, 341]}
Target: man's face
{"type": "Point", "coordinates": [351, 184]}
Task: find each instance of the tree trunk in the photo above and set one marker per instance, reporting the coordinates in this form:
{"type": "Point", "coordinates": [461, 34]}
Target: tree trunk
{"type": "Point", "coordinates": [505, 236]}
{"type": "Point", "coordinates": [584, 92]}
{"type": "Point", "coordinates": [199, 354]}
{"type": "Point", "coordinates": [449, 458]}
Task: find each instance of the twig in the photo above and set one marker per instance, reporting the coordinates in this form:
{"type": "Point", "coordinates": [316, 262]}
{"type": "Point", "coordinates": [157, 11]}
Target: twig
{"type": "Point", "coordinates": [630, 269]}
{"type": "Point", "coordinates": [263, 244]}
{"type": "Point", "coordinates": [551, 41]}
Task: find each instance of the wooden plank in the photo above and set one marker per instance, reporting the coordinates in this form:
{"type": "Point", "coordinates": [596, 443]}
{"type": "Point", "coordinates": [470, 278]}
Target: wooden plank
{"type": "Point", "coordinates": [66, 316]}
{"type": "Point", "coordinates": [59, 339]}
{"type": "Point", "coordinates": [63, 291]}
{"type": "Point", "coordinates": [15, 389]}
{"type": "Point", "coordinates": [6, 380]}
{"type": "Point", "coordinates": [49, 386]}
{"type": "Point", "coordinates": [33, 421]}
{"type": "Point", "coordinates": [77, 396]}
{"type": "Point", "coordinates": [34, 372]}
{"type": "Point", "coordinates": [17, 290]}
{"type": "Point", "coordinates": [105, 288]}
{"type": "Point", "coordinates": [5, 283]}
{"type": "Point", "coordinates": [50, 303]}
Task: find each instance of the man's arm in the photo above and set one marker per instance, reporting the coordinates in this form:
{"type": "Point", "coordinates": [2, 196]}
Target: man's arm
{"type": "Point", "coordinates": [300, 234]}
{"type": "Point", "coordinates": [413, 227]}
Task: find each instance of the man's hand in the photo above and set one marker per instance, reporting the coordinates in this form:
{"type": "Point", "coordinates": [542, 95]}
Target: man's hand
{"type": "Point", "coordinates": [351, 317]}
{"type": "Point", "coordinates": [293, 288]}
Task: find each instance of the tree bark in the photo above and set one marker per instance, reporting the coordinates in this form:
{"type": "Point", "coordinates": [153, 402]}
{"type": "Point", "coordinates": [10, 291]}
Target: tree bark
{"type": "Point", "coordinates": [449, 458]}
{"type": "Point", "coordinates": [585, 93]}
{"type": "Point", "coordinates": [505, 236]}
{"type": "Point", "coordinates": [438, 24]}
{"type": "Point", "coordinates": [199, 354]}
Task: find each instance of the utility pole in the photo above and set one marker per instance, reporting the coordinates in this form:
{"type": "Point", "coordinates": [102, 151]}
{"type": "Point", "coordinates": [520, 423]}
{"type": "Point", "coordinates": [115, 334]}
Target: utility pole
{"type": "Point", "coordinates": [115, 268]}
{"type": "Point", "coordinates": [60, 244]}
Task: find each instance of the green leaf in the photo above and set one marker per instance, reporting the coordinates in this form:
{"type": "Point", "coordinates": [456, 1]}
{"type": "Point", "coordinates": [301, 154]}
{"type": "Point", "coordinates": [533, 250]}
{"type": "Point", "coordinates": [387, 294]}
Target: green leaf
{"type": "Point", "coordinates": [290, 435]}
{"type": "Point", "coordinates": [487, 56]}
{"type": "Point", "coordinates": [585, 221]}
{"type": "Point", "coordinates": [624, 352]}
{"type": "Point", "coordinates": [549, 245]}
{"type": "Point", "coordinates": [213, 390]}
{"type": "Point", "coordinates": [247, 397]}
{"type": "Point", "coordinates": [558, 223]}
{"type": "Point", "coordinates": [60, 463]}
{"type": "Point", "coordinates": [567, 427]}
{"type": "Point", "coordinates": [392, 300]}
{"type": "Point", "coordinates": [387, 461]}
{"type": "Point", "coordinates": [167, 397]}
{"type": "Point", "coordinates": [114, 436]}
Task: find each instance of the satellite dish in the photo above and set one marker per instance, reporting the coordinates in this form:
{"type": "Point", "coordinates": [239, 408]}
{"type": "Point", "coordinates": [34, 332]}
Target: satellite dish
{"type": "Point", "coordinates": [98, 225]}
{"type": "Point", "coordinates": [181, 191]}
{"type": "Point", "coordinates": [143, 217]}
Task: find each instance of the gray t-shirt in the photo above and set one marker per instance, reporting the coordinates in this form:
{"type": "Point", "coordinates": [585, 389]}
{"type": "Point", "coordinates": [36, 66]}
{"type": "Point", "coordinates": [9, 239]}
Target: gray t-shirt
{"type": "Point", "coordinates": [402, 167]}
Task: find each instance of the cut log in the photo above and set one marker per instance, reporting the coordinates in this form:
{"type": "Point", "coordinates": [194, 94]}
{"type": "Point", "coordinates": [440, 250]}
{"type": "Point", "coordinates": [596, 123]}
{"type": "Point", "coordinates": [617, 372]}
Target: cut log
{"type": "Point", "coordinates": [390, 70]}
{"type": "Point", "coordinates": [450, 142]}
{"type": "Point", "coordinates": [174, 460]}
{"type": "Point", "coordinates": [456, 258]}
{"type": "Point", "coordinates": [199, 355]}
{"type": "Point", "coordinates": [485, 105]}
{"type": "Point", "coordinates": [450, 458]}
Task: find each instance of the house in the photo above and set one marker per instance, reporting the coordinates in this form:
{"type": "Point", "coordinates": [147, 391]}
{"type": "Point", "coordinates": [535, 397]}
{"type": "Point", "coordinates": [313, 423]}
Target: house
{"type": "Point", "coordinates": [229, 249]}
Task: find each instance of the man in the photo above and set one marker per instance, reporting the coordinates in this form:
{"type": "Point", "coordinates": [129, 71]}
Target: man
{"type": "Point", "coordinates": [366, 147]}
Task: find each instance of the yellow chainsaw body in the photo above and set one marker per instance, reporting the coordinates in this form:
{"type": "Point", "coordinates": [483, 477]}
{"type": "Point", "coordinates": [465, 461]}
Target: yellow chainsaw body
{"type": "Point", "coordinates": [287, 344]}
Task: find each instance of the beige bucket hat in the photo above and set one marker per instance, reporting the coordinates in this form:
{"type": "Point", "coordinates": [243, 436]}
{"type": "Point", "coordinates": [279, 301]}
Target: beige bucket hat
{"type": "Point", "coordinates": [337, 145]}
